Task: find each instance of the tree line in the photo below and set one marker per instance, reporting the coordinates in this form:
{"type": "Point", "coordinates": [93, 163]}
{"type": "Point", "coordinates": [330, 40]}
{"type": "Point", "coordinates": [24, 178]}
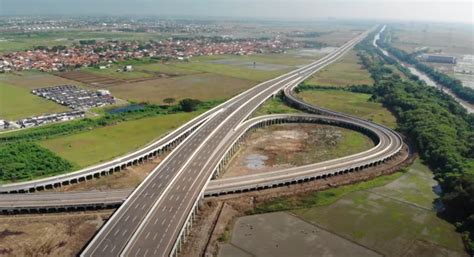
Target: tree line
{"type": "Point", "coordinates": [148, 110]}
{"type": "Point", "coordinates": [455, 85]}
{"type": "Point", "coordinates": [21, 158]}
{"type": "Point", "coordinates": [440, 129]}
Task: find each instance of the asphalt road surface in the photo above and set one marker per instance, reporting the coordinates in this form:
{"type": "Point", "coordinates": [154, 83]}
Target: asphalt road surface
{"type": "Point", "coordinates": [151, 219]}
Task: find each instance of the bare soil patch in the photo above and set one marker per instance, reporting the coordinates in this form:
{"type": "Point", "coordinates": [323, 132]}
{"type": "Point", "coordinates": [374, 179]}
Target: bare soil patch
{"type": "Point", "coordinates": [48, 235]}
{"type": "Point", "coordinates": [90, 79]}
{"type": "Point", "coordinates": [290, 145]}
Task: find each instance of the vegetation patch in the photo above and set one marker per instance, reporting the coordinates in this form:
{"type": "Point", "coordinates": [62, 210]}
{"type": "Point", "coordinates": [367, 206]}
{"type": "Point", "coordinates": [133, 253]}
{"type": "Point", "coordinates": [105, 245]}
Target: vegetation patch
{"type": "Point", "coordinates": [274, 105]}
{"type": "Point", "coordinates": [442, 131]}
{"type": "Point", "coordinates": [24, 161]}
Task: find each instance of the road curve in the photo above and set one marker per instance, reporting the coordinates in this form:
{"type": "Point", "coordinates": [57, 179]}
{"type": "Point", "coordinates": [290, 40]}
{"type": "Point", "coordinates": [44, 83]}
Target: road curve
{"type": "Point", "coordinates": [65, 201]}
{"type": "Point", "coordinates": [155, 217]}
{"type": "Point", "coordinates": [151, 150]}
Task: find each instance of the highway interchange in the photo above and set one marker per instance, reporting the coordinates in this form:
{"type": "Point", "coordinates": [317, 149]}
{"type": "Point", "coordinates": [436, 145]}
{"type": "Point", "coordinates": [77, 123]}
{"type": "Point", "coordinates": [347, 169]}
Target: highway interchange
{"type": "Point", "coordinates": [155, 216]}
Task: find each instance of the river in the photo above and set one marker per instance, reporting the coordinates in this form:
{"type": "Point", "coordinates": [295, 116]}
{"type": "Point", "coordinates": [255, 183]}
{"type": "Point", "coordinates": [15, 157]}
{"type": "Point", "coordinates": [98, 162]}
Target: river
{"type": "Point", "coordinates": [422, 76]}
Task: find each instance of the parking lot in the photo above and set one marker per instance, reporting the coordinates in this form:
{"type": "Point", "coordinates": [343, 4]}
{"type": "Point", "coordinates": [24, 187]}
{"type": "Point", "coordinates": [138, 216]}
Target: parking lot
{"type": "Point", "coordinates": [74, 97]}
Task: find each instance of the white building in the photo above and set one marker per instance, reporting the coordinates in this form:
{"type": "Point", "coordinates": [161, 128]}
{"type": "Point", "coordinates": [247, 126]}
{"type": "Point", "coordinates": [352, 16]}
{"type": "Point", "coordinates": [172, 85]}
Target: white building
{"type": "Point", "coordinates": [103, 92]}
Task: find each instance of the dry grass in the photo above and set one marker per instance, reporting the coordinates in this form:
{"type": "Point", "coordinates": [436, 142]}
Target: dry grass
{"type": "Point", "coordinates": [198, 86]}
{"type": "Point", "coordinates": [48, 235]}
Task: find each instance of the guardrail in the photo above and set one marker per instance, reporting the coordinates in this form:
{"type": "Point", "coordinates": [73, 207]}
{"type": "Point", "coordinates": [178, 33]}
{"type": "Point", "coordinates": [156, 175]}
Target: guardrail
{"type": "Point", "coordinates": [53, 202]}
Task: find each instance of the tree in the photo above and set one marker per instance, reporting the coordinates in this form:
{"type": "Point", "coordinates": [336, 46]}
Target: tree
{"type": "Point", "coordinates": [189, 105]}
{"type": "Point", "coordinates": [169, 100]}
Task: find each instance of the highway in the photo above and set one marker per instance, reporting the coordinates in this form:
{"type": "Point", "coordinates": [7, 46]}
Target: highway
{"type": "Point", "coordinates": [152, 219]}
{"type": "Point", "coordinates": [388, 143]}
{"type": "Point", "coordinates": [155, 216]}
{"type": "Point", "coordinates": [151, 150]}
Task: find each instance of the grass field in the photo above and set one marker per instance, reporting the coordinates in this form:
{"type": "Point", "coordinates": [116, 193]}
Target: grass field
{"type": "Point", "coordinates": [16, 103]}
{"type": "Point", "coordinates": [339, 36]}
{"type": "Point", "coordinates": [166, 68]}
{"type": "Point", "coordinates": [274, 106]}
{"type": "Point", "coordinates": [390, 220]}
{"type": "Point", "coordinates": [323, 143]}
{"type": "Point", "coordinates": [351, 103]}
{"type": "Point", "coordinates": [102, 144]}
{"type": "Point", "coordinates": [146, 69]}
{"type": "Point", "coordinates": [199, 86]}
{"type": "Point", "coordinates": [346, 71]}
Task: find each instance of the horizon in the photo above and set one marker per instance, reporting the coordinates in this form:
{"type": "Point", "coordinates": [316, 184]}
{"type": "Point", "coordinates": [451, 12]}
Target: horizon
{"type": "Point", "coordinates": [441, 11]}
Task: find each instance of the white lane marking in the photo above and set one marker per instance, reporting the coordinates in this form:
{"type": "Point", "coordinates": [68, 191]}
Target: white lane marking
{"type": "Point", "coordinates": [204, 187]}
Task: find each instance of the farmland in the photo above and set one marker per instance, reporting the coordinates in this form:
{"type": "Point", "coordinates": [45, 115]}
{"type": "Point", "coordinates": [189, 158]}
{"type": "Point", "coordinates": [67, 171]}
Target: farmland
{"type": "Point", "coordinates": [396, 219]}
{"type": "Point", "coordinates": [34, 79]}
{"type": "Point", "coordinates": [200, 86]}
{"type": "Point", "coordinates": [392, 215]}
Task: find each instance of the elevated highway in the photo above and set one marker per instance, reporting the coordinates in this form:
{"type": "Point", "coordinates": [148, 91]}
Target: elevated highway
{"type": "Point", "coordinates": [156, 216]}
{"type": "Point", "coordinates": [387, 143]}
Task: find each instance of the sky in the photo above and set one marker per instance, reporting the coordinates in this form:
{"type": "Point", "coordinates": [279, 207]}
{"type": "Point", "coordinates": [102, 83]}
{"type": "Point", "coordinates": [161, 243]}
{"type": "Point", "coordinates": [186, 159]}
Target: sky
{"type": "Point", "coordinates": [417, 10]}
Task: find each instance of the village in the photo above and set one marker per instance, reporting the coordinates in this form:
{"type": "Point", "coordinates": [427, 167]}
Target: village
{"type": "Point", "coordinates": [87, 53]}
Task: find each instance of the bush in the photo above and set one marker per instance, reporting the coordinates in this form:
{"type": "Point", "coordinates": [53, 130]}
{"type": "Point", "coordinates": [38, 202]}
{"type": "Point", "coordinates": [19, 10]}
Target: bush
{"type": "Point", "coordinates": [189, 105]}
{"type": "Point", "coordinates": [27, 160]}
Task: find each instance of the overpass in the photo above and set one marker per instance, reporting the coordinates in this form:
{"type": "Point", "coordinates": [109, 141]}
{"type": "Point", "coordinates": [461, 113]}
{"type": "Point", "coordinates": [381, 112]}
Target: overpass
{"type": "Point", "coordinates": [155, 217]}
{"type": "Point", "coordinates": [387, 142]}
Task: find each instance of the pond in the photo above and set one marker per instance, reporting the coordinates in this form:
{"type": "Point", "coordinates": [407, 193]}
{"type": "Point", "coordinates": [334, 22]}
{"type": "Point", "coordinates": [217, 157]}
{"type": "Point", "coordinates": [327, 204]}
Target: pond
{"type": "Point", "coordinates": [255, 161]}
{"type": "Point", "coordinates": [122, 109]}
